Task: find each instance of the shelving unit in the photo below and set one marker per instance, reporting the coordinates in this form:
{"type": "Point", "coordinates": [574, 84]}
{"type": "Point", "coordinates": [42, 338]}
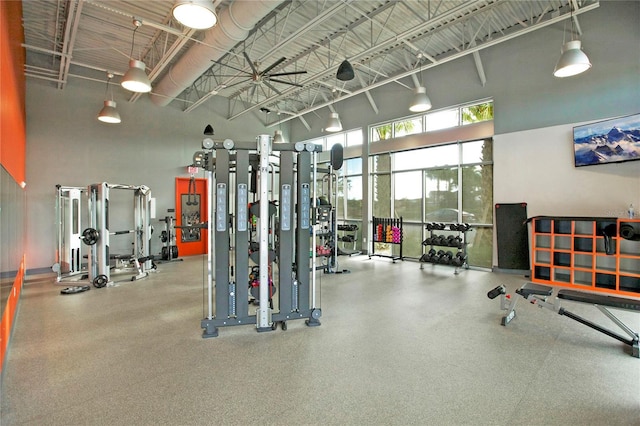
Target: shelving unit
{"type": "Point", "coordinates": [347, 235]}
{"type": "Point", "coordinates": [587, 253]}
{"type": "Point", "coordinates": [442, 239]}
{"type": "Point", "coordinates": [387, 230]}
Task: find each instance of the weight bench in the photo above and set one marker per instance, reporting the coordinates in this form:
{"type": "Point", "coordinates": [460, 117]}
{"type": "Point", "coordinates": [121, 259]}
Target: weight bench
{"type": "Point", "coordinates": [538, 294]}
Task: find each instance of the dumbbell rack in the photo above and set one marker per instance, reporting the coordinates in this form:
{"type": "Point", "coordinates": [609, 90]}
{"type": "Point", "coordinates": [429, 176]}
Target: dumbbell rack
{"type": "Point", "coordinates": [458, 240]}
{"type": "Point", "coordinates": [387, 230]}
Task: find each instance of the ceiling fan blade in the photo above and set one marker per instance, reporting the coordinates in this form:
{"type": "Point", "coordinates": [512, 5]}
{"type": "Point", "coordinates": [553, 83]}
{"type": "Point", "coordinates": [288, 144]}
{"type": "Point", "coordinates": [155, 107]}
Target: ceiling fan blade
{"type": "Point", "coordinates": [232, 67]}
{"type": "Point", "coordinates": [253, 67]}
{"type": "Point", "coordinates": [286, 82]}
{"type": "Point", "coordinates": [275, 64]}
{"type": "Point", "coordinates": [252, 91]}
{"type": "Point", "coordinates": [287, 73]}
{"type": "Point", "coordinates": [270, 86]}
{"type": "Point", "coordinates": [235, 84]}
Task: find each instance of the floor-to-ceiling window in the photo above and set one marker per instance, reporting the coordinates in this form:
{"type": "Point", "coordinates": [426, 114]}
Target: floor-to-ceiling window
{"type": "Point", "coordinates": [422, 182]}
{"type": "Point", "coordinates": [449, 182]}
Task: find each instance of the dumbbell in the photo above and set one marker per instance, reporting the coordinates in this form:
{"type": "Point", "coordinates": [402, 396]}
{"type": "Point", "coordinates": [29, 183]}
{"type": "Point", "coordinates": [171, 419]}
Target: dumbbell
{"type": "Point", "coordinates": [459, 259]}
{"type": "Point", "coordinates": [463, 227]}
{"type": "Point", "coordinates": [455, 242]}
{"type": "Point", "coordinates": [429, 256]}
{"type": "Point", "coordinates": [445, 259]}
{"type": "Point", "coordinates": [427, 242]}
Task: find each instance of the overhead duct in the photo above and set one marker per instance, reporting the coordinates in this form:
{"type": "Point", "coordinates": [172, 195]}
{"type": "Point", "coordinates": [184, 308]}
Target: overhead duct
{"type": "Point", "coordinates": [233, 26]}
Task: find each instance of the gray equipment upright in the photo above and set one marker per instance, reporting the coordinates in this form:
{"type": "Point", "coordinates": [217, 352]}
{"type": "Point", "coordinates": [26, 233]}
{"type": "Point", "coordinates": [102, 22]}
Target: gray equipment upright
{"type": "Point", "coordinates": [98, 233]}
{"type": "Point", "coordinates": [68, 231]}
{"type": "Point", "coordinates": [229, 224]}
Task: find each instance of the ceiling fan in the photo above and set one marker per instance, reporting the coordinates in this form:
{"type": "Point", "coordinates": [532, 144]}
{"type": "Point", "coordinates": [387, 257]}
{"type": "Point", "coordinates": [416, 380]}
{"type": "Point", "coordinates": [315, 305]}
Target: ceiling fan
{"type": "Point", "coordinates": [261, 77]}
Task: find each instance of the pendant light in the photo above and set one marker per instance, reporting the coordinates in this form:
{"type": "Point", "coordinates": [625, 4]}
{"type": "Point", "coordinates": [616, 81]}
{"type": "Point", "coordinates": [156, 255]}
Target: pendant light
{"type": "Point", "coordinates": [196, 14]}
{"type": "Point", "coordinates": [136, 79]}
{"type": "Point", "coordinates": [345, 71]}
{"type": "Point", "coordinates": [108, 113]}
{"type": "Point", "coordinates": [573, 60]}
{"type": "Point", "coordinates": [421, 101]}
{"type": "Point", "coordinates": [277, 135]}
{"type": "Point", "coordinates": [334, 124]}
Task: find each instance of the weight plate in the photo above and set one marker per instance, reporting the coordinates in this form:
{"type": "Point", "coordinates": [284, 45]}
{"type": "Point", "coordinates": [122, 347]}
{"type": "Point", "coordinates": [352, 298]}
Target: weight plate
{"type": "Point", "coordinates": [75, 289]}
{"type": "Point", "coordinates": [100, 281]}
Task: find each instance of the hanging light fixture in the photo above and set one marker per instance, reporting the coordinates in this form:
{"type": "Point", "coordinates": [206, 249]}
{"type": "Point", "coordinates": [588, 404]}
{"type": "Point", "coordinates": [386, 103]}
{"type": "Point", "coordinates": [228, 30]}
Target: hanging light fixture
{"type": "Point", "coordinates": [136, 79]}
{"type": "Point", "coordinates": [345, 71]}
{"type": "Point", "coordinates": [573, 60]}
{"type": "Point", "coordinates": [334, 124]}
{"type": "Point", "coordinates": [421, 101]}
{"type": "Point", "coordinates": [277, 135]}
{"type": "Point", "coordinates": [109, 113]}
{"type": "Point", "coordinates": [196, 14]}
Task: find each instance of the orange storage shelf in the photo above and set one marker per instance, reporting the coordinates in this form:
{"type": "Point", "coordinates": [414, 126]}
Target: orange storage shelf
{"type": "Point", "coordinates": [599, 254]}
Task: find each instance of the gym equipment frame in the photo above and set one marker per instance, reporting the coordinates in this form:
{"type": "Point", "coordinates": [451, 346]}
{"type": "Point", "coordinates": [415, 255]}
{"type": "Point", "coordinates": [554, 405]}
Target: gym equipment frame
{"type": "Point", "coordinates": [538, 294]}
{"type": "Point", "coordinates": [228, 163]}
{"type": "Point", "coordinates": [68, 232]}
{"type": "Point", "coordinates": [97, 235]}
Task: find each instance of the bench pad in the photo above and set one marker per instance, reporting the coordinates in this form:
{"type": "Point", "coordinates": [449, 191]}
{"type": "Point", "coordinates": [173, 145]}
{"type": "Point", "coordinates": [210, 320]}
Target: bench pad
{"type": "Point", "coordinates": [599, 299]}
{"type": "Point", "coordinates": [537, 289]}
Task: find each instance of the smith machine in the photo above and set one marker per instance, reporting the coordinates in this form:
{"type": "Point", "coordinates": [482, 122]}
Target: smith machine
{"type": "Point", "coordinates": [97, 235]}
{"type": "Point", "coordinates": [227, 165]}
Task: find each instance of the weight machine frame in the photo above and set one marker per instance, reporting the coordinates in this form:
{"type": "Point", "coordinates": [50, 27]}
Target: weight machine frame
{"type": "Point", "coordinates": [99, 257]}
{"type": "Point", "coordinates": [68, 232]}
{"type": "Point", "coordinates": [229, 235]}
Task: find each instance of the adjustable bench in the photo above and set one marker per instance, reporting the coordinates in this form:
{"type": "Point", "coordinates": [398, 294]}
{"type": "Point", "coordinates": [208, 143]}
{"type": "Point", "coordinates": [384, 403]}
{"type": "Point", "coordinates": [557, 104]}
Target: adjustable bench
{"type": "Point", "coordinates": [538, 294]}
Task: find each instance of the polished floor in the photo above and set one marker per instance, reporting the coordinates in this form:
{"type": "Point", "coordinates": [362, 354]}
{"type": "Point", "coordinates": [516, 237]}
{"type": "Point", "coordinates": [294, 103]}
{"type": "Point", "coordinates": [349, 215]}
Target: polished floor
{"type": "Point", "coordinates": [397, 346]}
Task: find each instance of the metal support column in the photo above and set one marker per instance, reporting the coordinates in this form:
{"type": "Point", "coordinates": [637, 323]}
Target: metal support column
{"type": "Point", "coordinates": [263, 315]}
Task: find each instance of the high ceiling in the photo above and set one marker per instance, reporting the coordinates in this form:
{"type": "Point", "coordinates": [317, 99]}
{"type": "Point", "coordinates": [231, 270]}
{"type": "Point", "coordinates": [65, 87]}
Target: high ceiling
{"type": "Point", "coordinates": [387, 42]}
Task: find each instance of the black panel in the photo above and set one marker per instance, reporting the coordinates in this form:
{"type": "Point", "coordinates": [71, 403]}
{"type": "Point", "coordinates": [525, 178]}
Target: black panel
{"type": "Point", "coordinates": [512, 235]}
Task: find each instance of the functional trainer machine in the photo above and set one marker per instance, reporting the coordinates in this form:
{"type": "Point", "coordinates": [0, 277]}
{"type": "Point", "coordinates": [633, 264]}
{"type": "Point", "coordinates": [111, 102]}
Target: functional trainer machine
{"type": "Point", "coordinates": [538, 294]}
{"type": "Point", "coordinates": [68, 232]}
{"type": "Point", "coordinates": [232, 180]}
{"type": "Point", "coordinates": [98, 234]}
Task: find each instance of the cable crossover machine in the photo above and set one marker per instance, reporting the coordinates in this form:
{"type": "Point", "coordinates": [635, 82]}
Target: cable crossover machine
{"type": "Point", "coordinates": [260, 245]}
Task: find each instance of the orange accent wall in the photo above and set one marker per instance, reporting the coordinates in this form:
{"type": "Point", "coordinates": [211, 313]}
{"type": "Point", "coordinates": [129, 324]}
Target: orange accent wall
{"type": "Point", "coordinates": [182, 187]}
{"type": "Point", "coordinates": [12, 90]}
{"type": "Point", "coordinates": [9, 313]}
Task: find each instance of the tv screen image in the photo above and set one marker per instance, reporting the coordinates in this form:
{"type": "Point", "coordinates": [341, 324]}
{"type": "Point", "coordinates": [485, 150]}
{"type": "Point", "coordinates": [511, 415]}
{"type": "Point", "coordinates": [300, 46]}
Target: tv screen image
{"type": "Point", "coordinates": [610, 141]}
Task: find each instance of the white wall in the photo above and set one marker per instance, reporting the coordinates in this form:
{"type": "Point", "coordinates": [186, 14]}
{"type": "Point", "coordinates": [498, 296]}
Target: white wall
{"type": "Point", "coordinates": [152, 146]}
{"type": "Point", "coordinates": [536, 167]}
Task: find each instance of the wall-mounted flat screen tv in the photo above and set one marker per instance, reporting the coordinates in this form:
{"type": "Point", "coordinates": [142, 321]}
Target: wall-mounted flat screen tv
{"type": "Point", "coordinates": [610, 141]}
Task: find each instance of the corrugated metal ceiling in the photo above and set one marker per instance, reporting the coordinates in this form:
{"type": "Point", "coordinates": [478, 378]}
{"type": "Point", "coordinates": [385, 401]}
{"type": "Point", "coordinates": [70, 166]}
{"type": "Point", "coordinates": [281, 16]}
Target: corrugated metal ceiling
{"type": "Point", "coordinates": [384, 40]}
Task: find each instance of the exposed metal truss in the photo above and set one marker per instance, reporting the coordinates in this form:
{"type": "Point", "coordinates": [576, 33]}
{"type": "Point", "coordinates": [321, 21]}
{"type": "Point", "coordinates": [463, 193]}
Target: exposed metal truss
{"type": "Point", "coordinates": [387, 42]}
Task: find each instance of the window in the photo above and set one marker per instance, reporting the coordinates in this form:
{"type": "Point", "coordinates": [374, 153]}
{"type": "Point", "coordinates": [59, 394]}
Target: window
{"type": "Point", "coordinates": [407, 127]}
{"type": "Point", "coordinates": [442, 155]}
{"type": "Point", "coordinates": [354, 137]}
{"type": "Point", "coordinates": [447, 183]}
{"type": "Point", "coordinates": [382, 132]}
{"type": "Point", "coordinates": [476, 113]}
{"type": "Point", "coordinates": [442, 120]}
{"type": "Point", "coordinates": [407, 194]}
{"type": "Point", "coordinates": [432, 121]}
{"type": "Point", "coordinates": [334, 139]}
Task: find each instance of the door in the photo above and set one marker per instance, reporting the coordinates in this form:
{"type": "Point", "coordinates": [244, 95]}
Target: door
{"type": "Point", "coordinates": [191, 209]}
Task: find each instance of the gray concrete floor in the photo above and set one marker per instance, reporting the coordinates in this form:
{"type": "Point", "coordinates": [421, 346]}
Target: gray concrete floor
{"type": "Point", "coordinates": [397, 345]}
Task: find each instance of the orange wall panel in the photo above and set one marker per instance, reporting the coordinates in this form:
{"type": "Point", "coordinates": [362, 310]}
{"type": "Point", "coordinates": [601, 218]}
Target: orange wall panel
{"type": "Point", "coordinates": [12, 90]}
